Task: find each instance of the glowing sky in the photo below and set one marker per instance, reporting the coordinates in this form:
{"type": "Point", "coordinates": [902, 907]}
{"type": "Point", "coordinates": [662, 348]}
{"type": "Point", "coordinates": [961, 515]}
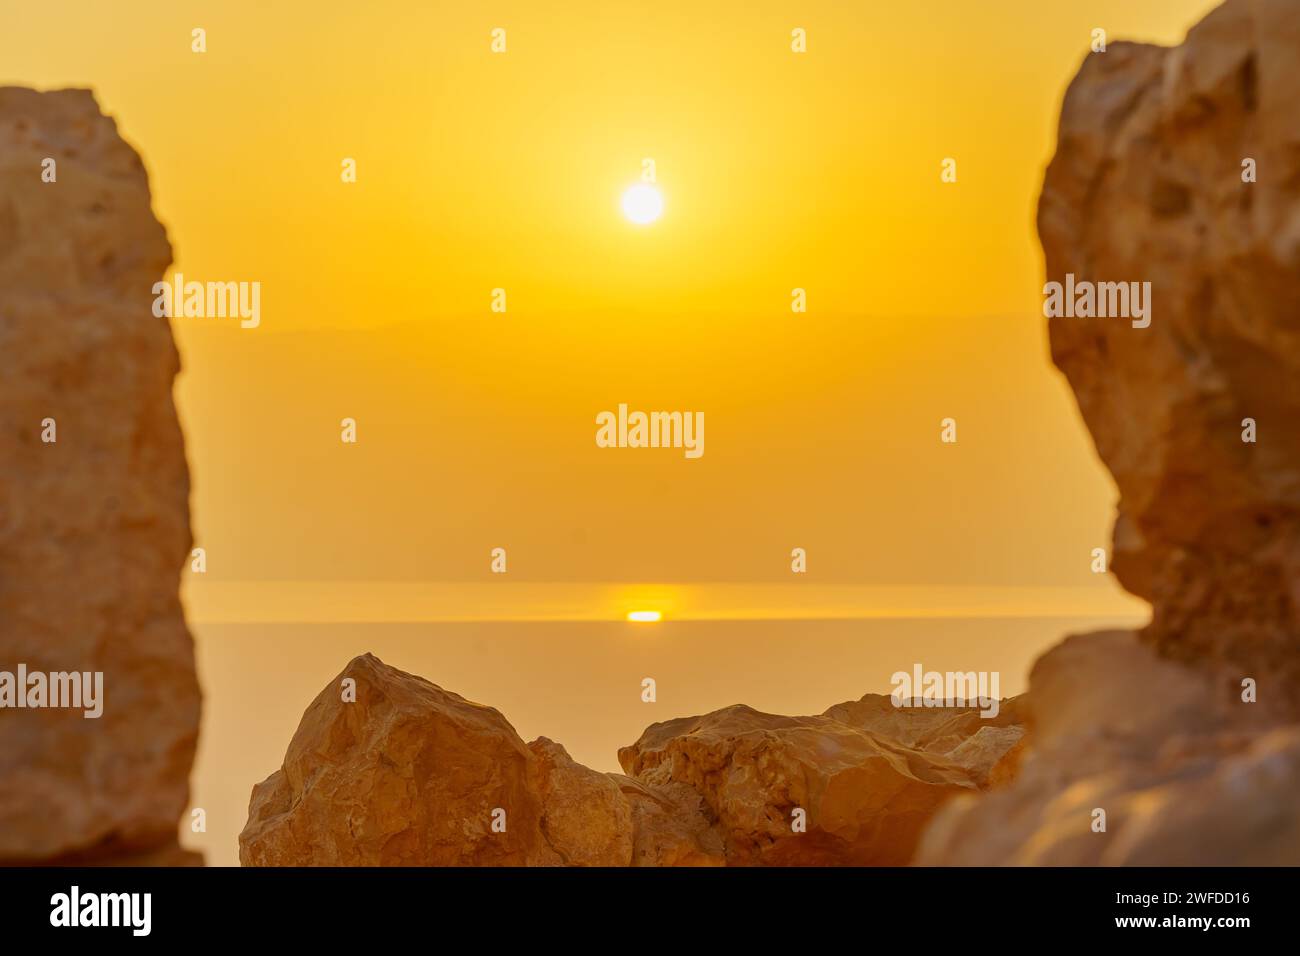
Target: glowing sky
{"type": "Point", "coordinates": [478, 171]}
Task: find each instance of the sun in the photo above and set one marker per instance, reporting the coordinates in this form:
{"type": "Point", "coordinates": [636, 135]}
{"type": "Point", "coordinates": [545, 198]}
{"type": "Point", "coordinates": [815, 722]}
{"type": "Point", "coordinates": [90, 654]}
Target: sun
{"type": "Point", "coordinates": [642, 204]}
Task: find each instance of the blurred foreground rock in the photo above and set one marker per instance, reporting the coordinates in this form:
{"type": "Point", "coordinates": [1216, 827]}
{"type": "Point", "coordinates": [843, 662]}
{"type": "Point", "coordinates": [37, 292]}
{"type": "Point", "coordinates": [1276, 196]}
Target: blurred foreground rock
{"type": "Point", "coordinates": [1156, 730]}
{"type": "Point", "coordinates": [1147, 185]}
{"type": "Point", "coordinates": [94, 527]}
{"type": "Point", "coordinates": [1185, 776]}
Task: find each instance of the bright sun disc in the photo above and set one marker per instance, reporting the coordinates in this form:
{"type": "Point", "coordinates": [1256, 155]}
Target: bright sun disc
{"type": "Point", "coordinates": [644, 616]}
{"type": "Point", "coordinates": [642, 204]}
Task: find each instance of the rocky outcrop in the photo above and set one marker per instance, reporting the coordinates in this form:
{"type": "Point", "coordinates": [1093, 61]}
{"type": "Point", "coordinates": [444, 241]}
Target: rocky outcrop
{"type": "Point", "coordinates": [670, 826]}
{"type": "Point", "coordinates": [798, 790]}
{"type": "Point", "coordinates": [1147, 185]}
{"type": "Point", "coordinates": [586, 817]}
{"type": "Point", "coordinates": [94, 493]}
{"type": "Point", "coordinates": [1182, 775]}
{"type": "Point", "coordinates": [388, 769]}
{"type": "Point", "coordinates": [980, 744]}
{"type": "Point", "coordinates": [1178, 746]}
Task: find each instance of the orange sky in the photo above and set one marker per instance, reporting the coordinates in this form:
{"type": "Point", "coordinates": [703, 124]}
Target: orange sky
{"type": "Point", "coordinates": [479, 171]}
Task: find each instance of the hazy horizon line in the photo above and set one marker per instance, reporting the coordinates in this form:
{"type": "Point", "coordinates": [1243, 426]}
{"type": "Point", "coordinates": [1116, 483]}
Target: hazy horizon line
{"type": "Point", "coordinates": [360, 601]}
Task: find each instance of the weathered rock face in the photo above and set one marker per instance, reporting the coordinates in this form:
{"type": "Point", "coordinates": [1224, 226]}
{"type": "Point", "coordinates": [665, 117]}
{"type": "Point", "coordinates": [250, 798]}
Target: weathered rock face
{"type": "Point", "coordinates": [961, 735]}
{"type": "Point", "coordinates": [1184, 776]}
{"type": "Point", "coordinates": [1147, 185]}
{"type": "Point", "coordinates": [94, 527]}
{"type": "Point", "coordinates": [1158, 733]}
{"type": "Point", "coordinates": [406, 774]}
{"type": "Point", "coordinates": [388, 769]}
{"type": "Point", "coordinates": [670, 826]}
{"type": "Point", "coordinates": [586, 818]}
{"type": "Point", "coordinates": [865, 798]}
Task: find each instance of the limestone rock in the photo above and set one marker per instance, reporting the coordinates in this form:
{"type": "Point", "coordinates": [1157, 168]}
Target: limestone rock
{"type": "Point", "coordinates": [1006, 768]}
{"type": "Point", "coordinates": [1147, 185]}
{"type": "Point", "coordinates": [585, 816]}
{"type": "Point", "coordinates": [670, 826]}
{"type": "Point", "coordinates": [407, 774]}
{"type": "Point", "coordinates": [962, 735]}
{"type": "Point", "coordinates": [1184, 777]}
{"type": "Point", "coordinates": [934, 729]}
{"type": "Point", "coordinates": [866, 798]}
{"type": "Point", "coordinates": [94, 528]}
{"type": "Point", "coordinates": [987, 750]}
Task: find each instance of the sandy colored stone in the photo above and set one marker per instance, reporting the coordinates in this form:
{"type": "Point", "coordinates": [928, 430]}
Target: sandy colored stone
{"type": "Point", "coordinates": [866, 798]}
{"type": "Point", "coordinates": [166, 854]}
{"type": "Point", "coordinates": [934, 729]}
{"type": "Point", "coordinates": [1146, 185]}
{"type": "Point", "coordinates": [94, 529]}
{"type": "Point", "coordinates": [670, 826]}
{"type": "Point", "coordinates": [965, 736]}
{"type": "Point", "coordinates": [985, 750]}
{"type": "Point", "coordinates": [1184, 777]}
{"type": "Point", "coordinates": [1006, 768]}
{"type": "Point", "coordinates": [585, 816]}
{"type": "Point", "coordinates": [408, 774]}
